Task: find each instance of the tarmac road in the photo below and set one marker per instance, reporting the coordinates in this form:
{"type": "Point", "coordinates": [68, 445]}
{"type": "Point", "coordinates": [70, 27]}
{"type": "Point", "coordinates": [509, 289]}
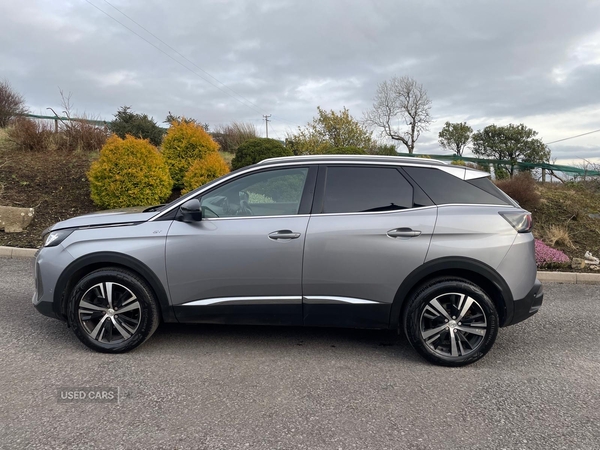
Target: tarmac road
{"type": "Point", "coordinates": [227, 387]}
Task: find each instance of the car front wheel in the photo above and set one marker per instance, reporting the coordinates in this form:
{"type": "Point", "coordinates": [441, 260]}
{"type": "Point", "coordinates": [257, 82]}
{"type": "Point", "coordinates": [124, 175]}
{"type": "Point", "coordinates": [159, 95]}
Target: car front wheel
{"type": "Point", "coordinates": [113, 310]}
{"type": "Point", "coordinates": [451, 322]}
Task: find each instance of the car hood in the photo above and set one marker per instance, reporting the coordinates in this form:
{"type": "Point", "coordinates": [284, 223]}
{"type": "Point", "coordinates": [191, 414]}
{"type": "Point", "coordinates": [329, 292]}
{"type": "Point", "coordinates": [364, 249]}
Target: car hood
{"type": "Point", "coordinates": [106, 218]}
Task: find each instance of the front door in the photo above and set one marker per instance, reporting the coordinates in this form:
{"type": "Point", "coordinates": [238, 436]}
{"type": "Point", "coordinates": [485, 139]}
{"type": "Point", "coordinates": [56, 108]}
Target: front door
{"type": "Point", "coordinates": [242, 263]}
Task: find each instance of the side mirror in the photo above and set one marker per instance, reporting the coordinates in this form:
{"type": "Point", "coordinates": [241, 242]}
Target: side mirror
{"type": "Point", "coordinates": [191, 211]}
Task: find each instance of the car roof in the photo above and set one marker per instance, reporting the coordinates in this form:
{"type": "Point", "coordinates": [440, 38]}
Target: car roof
{"type": "Point", "coordinates": [353, 159]}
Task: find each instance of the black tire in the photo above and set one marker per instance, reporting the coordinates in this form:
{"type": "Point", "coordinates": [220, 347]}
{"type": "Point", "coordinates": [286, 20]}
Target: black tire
{"type": "Point", "coordinates": [460, 342]}
{"type": "Point", "coordinates": [133, 320]}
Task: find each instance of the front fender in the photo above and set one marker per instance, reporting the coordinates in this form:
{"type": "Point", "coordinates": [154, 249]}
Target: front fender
{"type": "Point", "coordinates": [88, 263]}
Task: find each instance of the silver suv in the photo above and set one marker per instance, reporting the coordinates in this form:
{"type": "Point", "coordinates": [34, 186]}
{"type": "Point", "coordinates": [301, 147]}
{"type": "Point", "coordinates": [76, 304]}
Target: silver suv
{"type": "Point", "coordinates": [348, 241]}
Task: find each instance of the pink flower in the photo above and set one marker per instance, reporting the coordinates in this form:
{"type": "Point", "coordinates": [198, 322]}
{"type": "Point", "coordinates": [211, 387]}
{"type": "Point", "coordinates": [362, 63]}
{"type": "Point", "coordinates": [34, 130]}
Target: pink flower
{"type": "Point", "coordinates": [545, 255]}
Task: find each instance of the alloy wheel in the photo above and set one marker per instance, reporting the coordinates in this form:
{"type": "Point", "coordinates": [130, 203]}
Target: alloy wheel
{"type": "Point", "coordinates": [109, 312]}
{"type": "Point", "coordinates": [453, 325]}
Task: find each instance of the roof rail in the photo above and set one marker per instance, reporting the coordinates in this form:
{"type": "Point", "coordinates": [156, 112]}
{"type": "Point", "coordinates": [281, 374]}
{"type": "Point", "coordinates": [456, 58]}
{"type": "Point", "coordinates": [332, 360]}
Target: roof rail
{"type": "Point", "coordinates": [352, 158]}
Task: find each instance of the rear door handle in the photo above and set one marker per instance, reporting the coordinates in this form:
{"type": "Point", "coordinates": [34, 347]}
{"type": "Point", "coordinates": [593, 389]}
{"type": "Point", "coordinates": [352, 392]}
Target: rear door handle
{"type": "Point", "coordinates": [403, 232]}
{"type": "Point", "coordinates": [283, 234]}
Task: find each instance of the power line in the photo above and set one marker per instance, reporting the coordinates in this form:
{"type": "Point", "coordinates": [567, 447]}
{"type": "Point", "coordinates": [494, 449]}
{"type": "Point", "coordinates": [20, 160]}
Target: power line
{"type": "Point", "coordinates": [183, 56]}
{"type": "Point", "coordinates": [171, 57]}
{"type": "Point", "coordinates": [572, 137]}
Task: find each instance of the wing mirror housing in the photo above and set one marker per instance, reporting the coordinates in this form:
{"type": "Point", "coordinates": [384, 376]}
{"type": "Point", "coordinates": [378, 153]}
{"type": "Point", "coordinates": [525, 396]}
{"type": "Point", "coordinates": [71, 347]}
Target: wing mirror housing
{"type": "Point", "coordinates": [190, 211]}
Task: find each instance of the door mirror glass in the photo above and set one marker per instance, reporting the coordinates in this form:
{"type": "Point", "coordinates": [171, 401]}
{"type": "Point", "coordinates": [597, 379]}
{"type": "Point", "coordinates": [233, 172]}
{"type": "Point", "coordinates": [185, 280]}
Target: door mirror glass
{"type": "Point", "coordinates": [191, 211]}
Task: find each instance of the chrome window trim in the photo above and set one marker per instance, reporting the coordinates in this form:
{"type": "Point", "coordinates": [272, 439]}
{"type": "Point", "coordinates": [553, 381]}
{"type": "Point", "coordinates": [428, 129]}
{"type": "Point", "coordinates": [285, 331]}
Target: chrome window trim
{"type": "Point", "coordinates": [334, 300]}
{"type": "Point", "coordinates": [327, 160]}
{"type": "Point", "coordinates": [212, 219]}
{"type": "Point", "coordinates": [258, 300]}
{"type": "Point", "coordinates": [398, 211]}
{"type": "Point", "coordinates": [487, 205]}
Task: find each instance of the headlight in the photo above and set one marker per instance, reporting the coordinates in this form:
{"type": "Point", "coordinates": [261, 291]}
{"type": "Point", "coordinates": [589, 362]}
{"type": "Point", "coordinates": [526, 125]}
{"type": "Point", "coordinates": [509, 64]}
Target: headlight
{"type": "Point", "coordinates": [56, 237]}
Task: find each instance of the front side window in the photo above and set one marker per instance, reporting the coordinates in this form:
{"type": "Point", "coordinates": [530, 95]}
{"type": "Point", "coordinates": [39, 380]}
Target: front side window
{"type": "Point", "coordinates": [270, 193]}
{"type": "Point", "coordinates": [366, 189]}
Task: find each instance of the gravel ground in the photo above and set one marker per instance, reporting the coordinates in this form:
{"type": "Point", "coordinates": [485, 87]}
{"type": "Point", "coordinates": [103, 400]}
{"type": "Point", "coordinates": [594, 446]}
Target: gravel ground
{"type": "Point", "coordinates": [226, 387]}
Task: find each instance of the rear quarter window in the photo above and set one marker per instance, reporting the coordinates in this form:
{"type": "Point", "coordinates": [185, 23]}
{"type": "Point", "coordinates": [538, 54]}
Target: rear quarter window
{"type": "Point", "coordinates": [444, 188]}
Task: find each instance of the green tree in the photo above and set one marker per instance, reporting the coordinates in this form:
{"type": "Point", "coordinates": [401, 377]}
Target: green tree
{"type": "Point", "coordinates": [137, 125]}
{"type": "Point", "coordinates": [513, 143]}
{"type": "Point", "coordinates": [386, 150]}
{"type": "Point", "coordinates": [398, 100]}
{"type": "Point", "coordinates": [345, 151]}
{"type": "Point", "coordinates": [455, 137]}
{"type": "Point", "coordinates": [255, 150]}
{"type": "Point", "coordinates": [328, 130]}
{"type": "Point", "coordinates": [171, 118]}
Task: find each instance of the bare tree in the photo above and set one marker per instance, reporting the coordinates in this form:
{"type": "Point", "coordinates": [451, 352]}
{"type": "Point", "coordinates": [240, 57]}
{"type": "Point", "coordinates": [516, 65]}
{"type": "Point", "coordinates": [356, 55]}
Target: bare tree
{"type": "Point", "coordinates": [400, 99]}
{"type": "Point", "coordinates": [11, 103]}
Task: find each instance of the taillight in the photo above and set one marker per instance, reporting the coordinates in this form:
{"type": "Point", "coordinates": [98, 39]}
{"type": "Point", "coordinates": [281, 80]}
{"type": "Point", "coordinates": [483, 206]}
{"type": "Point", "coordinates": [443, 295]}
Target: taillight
{"type": "Point", "coordinates": [520, 221]}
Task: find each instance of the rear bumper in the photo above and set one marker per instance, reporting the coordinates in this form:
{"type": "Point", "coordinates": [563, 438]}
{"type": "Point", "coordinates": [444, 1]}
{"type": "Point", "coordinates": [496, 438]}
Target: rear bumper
{"type": "Point", "coordinates": [528, 305]}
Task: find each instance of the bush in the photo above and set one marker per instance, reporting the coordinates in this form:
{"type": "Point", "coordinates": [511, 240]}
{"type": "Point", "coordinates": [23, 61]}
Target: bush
{"type": "Point", "coordinates": [230, 137]}
{"type": "Point", "coordinates": [255, 150]}
{"type": "Point", "coordinates": [386, 150]}
{"type": "Point", "coordinates": [558, 235]}
{"type": "Point", "coordinates": [129, 172]}
{"type": "Point", "coordinates": [345, 151]}
{"type": "Point", "coordinates": [185, 143]}
{"type": "Point", "coordinates": [11, 104]}
{"type": "Point", "coordinates": [140, 126]}
{"type": "Point", "coordinates": [547, 257]}
{"type": "Point", "coordinates": [204, 170]}
{"type": "Point", "coordinates": [521, 188]}
{"type": "Point", "coordinates": [31, 135]}
{"type": "Point", "coordinates": [83, 136]}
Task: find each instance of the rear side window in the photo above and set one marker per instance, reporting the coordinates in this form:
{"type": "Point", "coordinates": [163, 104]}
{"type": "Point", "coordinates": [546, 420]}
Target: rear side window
{"type": "Point", "coordinates": [366, 189]}
{"type": "Point", "coordinates": [489, 187]}
{"type": "Point", "coordinates": [444, 188]}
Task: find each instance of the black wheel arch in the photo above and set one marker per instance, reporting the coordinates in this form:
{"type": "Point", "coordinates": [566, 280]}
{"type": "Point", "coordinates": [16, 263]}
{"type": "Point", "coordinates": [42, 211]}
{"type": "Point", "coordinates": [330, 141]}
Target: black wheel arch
{"type": "Point", "coordinates": [94, 261]}
{"type": "Point", "coordinates": [470, 269]}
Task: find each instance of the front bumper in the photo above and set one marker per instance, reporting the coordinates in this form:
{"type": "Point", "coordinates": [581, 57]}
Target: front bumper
{"type": "Point", "coordinates": [528, 305]}
{"type": "Point", "coordinates": [49, 264]}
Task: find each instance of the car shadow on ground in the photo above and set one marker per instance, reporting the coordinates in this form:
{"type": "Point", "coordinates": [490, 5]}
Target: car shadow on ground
{"type": "Point", "coordinates": [282, 338]}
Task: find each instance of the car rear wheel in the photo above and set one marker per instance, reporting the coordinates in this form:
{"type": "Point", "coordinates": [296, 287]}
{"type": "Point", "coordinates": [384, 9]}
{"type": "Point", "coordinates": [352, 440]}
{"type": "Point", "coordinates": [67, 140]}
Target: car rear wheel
{"type": "Point", "coordinates": [451, 322]}
{"type": "Point", "coordinates": [113, 310]}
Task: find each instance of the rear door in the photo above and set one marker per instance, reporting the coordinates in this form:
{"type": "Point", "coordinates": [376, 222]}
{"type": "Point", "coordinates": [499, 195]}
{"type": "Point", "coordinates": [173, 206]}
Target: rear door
{"type": "Point", "coordinates": [369, 229]}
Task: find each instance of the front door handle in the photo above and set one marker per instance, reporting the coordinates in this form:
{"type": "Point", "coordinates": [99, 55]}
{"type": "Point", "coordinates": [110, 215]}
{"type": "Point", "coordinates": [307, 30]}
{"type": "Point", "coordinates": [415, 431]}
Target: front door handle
{"type": "Point", "coordinates": [403, 232]}
{"type": "Point", "coordinates": [283, 234]}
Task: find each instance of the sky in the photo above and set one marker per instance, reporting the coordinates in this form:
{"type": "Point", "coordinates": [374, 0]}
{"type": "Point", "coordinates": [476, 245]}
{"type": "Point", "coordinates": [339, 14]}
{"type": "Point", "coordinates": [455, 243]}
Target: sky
{"type": "Point", "coordinates": [485, 62]}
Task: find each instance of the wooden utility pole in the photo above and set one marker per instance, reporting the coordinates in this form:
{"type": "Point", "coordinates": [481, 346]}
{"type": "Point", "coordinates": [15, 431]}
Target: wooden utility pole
{"type": "Point", "coordinates": [267, 123]}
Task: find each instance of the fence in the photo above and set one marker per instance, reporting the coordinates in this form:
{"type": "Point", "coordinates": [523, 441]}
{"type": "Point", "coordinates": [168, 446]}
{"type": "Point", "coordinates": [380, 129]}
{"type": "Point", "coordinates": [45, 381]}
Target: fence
{"type": "Point", "coordinates": [545, 167]}
{"type": "Point", "coordinates": [56, 119]}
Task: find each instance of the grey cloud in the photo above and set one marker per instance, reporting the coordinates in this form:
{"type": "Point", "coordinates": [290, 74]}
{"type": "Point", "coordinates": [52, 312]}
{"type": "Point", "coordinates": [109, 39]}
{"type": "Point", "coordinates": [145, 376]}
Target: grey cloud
{"type": "Point", "coordinates": [479, 60]}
